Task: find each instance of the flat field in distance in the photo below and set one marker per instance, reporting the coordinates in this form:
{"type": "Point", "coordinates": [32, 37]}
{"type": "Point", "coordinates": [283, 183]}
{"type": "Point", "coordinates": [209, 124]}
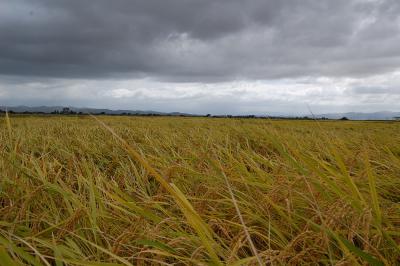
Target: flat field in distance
{"type": "Point", "coordinates": [198, 191]}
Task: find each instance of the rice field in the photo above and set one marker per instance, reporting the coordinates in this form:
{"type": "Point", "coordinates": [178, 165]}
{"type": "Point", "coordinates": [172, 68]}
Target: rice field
{"type": "Point", "coordinates": [82, 190]}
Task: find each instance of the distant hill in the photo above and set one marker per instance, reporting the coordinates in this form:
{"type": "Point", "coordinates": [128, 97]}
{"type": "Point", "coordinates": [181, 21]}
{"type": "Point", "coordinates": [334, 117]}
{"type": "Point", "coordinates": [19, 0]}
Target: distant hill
{"type": "Point", "coordinates": [50, 109]}
{"type": "Point", "coordinates": [384, 115]}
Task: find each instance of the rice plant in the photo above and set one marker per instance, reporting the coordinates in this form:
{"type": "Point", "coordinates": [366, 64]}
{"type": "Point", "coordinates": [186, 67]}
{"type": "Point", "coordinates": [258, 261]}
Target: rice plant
{"type": "Point", "coordinates": [81, 190]}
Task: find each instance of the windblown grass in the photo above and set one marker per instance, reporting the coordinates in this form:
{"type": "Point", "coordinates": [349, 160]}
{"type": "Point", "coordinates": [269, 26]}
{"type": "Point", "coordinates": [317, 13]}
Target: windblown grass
{"type": "Point", "coordinates": [197, 191]}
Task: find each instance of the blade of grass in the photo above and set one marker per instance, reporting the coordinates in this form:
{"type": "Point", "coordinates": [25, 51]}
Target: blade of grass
{"type": "Point", "coordinates": [5, 259]}
{"type": "Point", "coordinates": [373, 192]}
{"type": "Point", "coordinates": [253, 248]}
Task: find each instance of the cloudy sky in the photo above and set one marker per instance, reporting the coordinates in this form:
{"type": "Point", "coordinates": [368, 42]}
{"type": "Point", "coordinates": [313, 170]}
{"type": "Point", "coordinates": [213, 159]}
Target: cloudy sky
{"type": "Point", "coordinates": [202, 56]}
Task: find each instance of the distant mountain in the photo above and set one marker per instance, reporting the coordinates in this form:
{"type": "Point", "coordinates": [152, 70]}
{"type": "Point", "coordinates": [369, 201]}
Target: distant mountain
{"type": "Point", "coordinates": [385, 115]}
{"type": "Point", "coordinates": [50, 109]}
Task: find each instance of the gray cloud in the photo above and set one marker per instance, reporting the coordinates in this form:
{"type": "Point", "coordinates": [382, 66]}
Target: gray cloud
{"type": "Point", "coordinates": [223, 56]}
{"type": "Point", "coordinates": [375, 90]}
{"type": "Point", "coordinates": [288, 96]}
{"type": "Point", "coordinates": [203, 41]}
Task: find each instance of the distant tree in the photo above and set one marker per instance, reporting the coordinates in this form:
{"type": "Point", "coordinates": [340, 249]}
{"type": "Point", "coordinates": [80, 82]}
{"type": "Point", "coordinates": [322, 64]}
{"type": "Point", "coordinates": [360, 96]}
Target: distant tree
{"type": "Point", "coordinates": [344, 118]}
{"type": "Point", "coordinates": [208, 115]}
{"type": "Point", "coordinates": [65, 110]}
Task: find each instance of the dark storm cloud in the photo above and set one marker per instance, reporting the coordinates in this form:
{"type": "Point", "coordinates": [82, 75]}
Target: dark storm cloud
{"type": "Point", "coordinates": [207, 40]}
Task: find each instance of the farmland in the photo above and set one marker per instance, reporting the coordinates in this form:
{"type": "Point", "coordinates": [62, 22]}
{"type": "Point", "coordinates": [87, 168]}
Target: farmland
{"type": "Point", "coordinates": [82, 190]}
